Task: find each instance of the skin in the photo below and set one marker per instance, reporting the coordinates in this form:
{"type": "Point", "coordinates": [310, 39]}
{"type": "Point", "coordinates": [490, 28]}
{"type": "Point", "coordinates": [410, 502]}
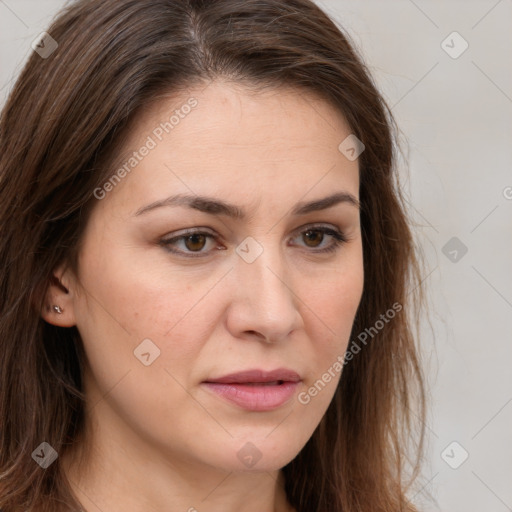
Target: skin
{"type": "Point", "coordinates": [157, 439]}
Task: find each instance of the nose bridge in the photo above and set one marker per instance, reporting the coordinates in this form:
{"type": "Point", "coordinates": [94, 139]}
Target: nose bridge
{"type": "Point", "coordinates": [264, 267]}
{"type": "Point", "coordinates": [266, 303]}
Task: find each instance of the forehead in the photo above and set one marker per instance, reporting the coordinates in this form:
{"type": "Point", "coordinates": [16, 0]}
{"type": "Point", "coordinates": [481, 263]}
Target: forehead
{"type": "Point", "coordinates": [228, 117]}
{"type": "Point", "coordinates": [226, 136]}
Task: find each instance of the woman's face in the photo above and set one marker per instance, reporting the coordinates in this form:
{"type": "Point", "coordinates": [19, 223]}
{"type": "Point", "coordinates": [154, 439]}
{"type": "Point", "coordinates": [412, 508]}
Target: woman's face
{"type": "Point", "coordinates": [263, 286]}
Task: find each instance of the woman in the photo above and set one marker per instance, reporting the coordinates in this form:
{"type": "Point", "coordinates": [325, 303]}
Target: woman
{"type": "Point", "coordinates": [207, 267]}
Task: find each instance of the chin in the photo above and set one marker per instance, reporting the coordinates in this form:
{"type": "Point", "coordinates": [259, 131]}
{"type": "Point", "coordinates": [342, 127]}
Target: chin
{"type": "Point", "coordinates": [260, 453]}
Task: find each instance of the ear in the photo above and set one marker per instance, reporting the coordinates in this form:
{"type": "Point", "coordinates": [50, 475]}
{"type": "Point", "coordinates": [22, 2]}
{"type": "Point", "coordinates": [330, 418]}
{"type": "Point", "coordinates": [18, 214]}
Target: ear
{"type": "Point", "coordinates": [58, 306]}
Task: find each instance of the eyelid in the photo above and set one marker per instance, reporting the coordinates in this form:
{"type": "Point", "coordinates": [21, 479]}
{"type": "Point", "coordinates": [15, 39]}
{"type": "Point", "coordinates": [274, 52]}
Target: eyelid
{"type": "Point", "coordinates": [317, 225]}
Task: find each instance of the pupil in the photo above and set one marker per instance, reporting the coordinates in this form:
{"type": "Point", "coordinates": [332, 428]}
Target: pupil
{"type": "Point", "coordinates": [194, 238]}
{"type": "Point", "coordinates": [317, 235]}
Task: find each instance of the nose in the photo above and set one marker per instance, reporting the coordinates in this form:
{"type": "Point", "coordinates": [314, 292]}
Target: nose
{"type": "Point", "coordinates": [264, 304]}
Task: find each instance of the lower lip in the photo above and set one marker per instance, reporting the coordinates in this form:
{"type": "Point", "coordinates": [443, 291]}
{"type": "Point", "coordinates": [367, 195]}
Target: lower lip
{"type": "Point", "coordinates": [255, 397]}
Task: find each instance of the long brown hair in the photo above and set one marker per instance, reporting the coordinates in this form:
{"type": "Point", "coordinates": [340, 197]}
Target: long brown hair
{"type": "Point", "coordinates": [60, 129]}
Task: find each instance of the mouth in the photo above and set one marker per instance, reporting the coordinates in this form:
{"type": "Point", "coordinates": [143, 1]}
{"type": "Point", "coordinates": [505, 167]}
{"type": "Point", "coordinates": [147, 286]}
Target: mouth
{"type": "Point", "coordinates": [256, 390]}
{"type": "Point", "coordinates": [273, 383]}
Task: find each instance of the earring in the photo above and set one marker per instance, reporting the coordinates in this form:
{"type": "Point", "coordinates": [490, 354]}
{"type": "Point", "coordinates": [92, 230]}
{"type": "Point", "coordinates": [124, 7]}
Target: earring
{"type": "Point", "coordinates": [57, 309]}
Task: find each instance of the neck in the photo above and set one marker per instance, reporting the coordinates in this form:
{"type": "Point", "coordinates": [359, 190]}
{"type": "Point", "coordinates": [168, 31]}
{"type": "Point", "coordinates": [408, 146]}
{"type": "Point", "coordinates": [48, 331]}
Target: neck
{"type": "Point", "coordinates": [108, 476]}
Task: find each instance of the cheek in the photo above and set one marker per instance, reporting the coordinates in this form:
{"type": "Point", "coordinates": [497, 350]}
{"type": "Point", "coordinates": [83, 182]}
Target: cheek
{"type": "Point", "coordinates": [124, 288]}
{"type": "Point", "coordinates": [336, 298]}
{"type": "Point", "coordinates": [333, 307]}
{"type": "Point", "coordinates": [125, 303]}
{"type": "Point", "coordinates": [145, 382]}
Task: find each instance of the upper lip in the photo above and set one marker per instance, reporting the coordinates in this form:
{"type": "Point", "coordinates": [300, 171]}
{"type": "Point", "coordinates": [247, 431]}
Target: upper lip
{"type": "Point", "coordinates": [255, 376]}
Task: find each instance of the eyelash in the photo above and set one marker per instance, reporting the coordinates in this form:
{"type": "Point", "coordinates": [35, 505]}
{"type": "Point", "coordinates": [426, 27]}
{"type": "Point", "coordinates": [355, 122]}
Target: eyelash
{"type": "Point", "coordinates": [339, 239]}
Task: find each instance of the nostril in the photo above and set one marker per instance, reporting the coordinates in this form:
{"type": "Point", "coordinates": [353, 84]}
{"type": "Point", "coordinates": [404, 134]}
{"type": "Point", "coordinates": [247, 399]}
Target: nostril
{"type": "Point", "coordinates": [256, 333]}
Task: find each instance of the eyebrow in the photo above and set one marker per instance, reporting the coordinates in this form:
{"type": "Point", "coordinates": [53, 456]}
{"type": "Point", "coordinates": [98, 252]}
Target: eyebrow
{"type": "Point", "coordinates": [215, 206]}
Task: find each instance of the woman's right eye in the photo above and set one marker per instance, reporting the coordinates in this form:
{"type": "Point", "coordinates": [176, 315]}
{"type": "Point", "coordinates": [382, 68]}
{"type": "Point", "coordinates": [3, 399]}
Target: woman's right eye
{"type": "Point", "coordinates": [190, 244]}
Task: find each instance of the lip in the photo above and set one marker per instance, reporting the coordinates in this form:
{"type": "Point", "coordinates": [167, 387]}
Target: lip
{"type": "Point", "coordinates": [256, 390]}
{"type": "Point", "coordinates": [258, 376]}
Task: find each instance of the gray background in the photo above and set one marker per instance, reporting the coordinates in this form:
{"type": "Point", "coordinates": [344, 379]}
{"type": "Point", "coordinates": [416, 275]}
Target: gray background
{"type": "Point", "coordinates": [456, 119]}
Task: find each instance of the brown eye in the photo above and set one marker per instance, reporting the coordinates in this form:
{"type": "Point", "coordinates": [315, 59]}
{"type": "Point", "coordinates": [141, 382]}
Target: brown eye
{"type": "Point", "coordinates": [195, 242]}
{"type": "Point", "coordinates": [190, 244]}
{"type": "Point", "coordinates": [313, 237]}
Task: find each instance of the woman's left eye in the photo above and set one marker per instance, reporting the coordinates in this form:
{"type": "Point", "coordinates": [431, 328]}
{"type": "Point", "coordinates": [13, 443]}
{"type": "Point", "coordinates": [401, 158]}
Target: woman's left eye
{"type": "Point", "coordinates": [314, 237]}
{"type": "Point", "coordinates": [191, 243]}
